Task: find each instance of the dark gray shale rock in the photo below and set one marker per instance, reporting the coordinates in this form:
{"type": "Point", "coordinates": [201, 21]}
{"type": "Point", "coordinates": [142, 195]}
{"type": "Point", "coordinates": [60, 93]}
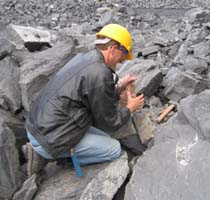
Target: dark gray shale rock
{"type": "Point", "coordinates": [177, 166]}
{"type": "Point", "coordinates": [36, 69]}
{"type": "Point", "coordinates": [10, 176]}
{"type": "Point", "coordinates": [178, 84]}
{"type": "Point", "coordinates": [194, 64]}
{"type": "Point", "coordinates": [196, 43]}
{"type": "Point", "coordinates": [10, 95]}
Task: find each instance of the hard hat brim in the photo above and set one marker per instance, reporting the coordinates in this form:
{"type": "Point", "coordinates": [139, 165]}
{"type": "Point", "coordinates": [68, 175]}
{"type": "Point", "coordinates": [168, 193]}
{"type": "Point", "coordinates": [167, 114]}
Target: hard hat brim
{"type": "Point", "coordinates": [102, 41]}
{"type": "Point", "coordinates": [129, 56]}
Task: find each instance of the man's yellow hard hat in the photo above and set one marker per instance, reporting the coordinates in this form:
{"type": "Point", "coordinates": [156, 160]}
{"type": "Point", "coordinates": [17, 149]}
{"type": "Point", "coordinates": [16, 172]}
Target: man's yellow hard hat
{"type": "Point", "coordinates": [118, 33]}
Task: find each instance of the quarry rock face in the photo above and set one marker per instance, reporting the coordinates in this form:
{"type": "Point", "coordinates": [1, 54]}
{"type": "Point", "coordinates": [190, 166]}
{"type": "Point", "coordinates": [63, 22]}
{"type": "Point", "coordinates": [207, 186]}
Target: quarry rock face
{"type": "Point", "coordinates": [171, 42]}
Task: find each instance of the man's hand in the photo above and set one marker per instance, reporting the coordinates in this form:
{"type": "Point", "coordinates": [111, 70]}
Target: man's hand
{"type": "Point", "coordinates": [128, 97]}
{"type": "Point", "coordinates": [133, 103]}
{"type": "Point", "coordinates": [125, 81]}
{"type": "Point", "coordinates": [130, 89]}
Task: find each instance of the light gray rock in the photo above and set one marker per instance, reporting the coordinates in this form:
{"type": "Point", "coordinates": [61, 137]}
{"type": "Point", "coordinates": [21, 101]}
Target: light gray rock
{"type": "Point", "coordinates": [128, 67]}
{"type": "Point", "coordinates": [10, 93]}
{"type": "Point", "coordinates": [160, 175]}
{"type": "Point", "coordinates": [27, 190]}
{"type": "Point", "coordinates": [202, 50]}
{"type": "Point", "coordinates": [181, 54]}
{"type": "Point", "coordinates": [194, 45]}
{"type": "Point", "coordinates": [196, 110]}
{"type": "Point", "coordinates": [150, 50]}
{"type": "Point", "coordinates": [193, 13]}
{"type": "Point", "coordinates": [166, 39]}
{"type": "Point", "coordinates": [75, 30]}
{"type": "Point", "coordinates": [21, 35]}
{"type": "Point", "coordinates": [178, 84]}
{"type": "Point", "coordinates": [100, 181]}
{"type": "Point", "coordinates": [6, 48]}
{"type": "Point", "coordinates": [102, 10]}
{"type": "Point", "coordinates": [9, 69]}
{"type": "Point", "coordinates": [195, 36]}
{"type": "Point", "coordinates": [176, 167]}
{"type": "Point", "coordinates": [194, 64]}
{"type": "Point", "coordinates": [16, 125]}
{"type": "Point", "coordinates": [148, 75]}
{"type": "Point", "coordinates": [106, 18]}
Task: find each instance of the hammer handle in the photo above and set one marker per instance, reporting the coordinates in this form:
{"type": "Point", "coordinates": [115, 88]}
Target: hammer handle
{"type": "Point", "coordinates": [165, 112]}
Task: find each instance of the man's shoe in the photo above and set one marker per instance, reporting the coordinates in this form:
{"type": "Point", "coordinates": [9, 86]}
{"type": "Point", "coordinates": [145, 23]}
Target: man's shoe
{"type": "Point", "coordinates": [35, 163]}
{"type": "Point", "coordinates": [64, 162]}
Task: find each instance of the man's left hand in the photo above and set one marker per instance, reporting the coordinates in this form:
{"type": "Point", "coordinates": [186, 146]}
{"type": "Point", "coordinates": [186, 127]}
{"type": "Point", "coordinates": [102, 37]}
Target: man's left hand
{"type": "Point", "coordinates": [125, 81]}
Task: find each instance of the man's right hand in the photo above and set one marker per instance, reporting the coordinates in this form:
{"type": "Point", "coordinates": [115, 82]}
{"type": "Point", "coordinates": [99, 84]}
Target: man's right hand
{"type": "Point", "coordinates": [133, 103]}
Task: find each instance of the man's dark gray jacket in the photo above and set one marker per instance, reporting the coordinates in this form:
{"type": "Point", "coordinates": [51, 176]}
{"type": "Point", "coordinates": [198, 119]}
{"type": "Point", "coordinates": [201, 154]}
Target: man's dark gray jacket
{"type": "Point", "coordinates": [80, 95]}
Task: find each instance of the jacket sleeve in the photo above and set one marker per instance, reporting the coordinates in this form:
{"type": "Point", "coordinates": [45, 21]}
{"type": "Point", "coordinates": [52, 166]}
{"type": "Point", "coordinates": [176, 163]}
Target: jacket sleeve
{"type": "Point", "coordinates": [104, 107]}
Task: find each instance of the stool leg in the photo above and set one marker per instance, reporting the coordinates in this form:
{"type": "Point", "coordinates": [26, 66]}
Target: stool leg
{"type": "Point", "coordinates": [76, 164]}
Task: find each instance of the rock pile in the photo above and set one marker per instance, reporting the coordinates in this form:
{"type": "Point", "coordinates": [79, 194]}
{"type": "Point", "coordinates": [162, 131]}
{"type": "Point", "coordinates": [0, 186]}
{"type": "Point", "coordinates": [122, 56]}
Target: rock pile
{"type": "Point", "coordinates": [172, 60]}
{"type": "Point", "coordinates": [56, 14]}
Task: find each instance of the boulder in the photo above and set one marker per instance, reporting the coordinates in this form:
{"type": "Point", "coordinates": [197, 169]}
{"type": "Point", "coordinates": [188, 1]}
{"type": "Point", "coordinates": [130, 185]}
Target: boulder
{"type": "Point", "coordinates": [178, 85]}
{"type": "Point", "coordinates": [32, 38]}
{"type": "Point", "coordinates": [149, 81]}
{"type": "Point", "coordinates": [6, 48]}
{"type": "Point", "coordinates": [149, 50]}
{"type": "Point", "coordinates": [28, 189]}
{"type": "Point", "coordinates": [10, 93]}
{"type": "Point", "coordinates": [202, 50]}
{"type": "Point", "coordinates": [100, 181]}
{"type": "Point", "coordinates": [37, 68]}
{"type": "Point", "coordinates": [193, 64]}
{"type": "Point", "coordinates": [149, 76]}
{"type": "Point", "coordinates": [177, 166]}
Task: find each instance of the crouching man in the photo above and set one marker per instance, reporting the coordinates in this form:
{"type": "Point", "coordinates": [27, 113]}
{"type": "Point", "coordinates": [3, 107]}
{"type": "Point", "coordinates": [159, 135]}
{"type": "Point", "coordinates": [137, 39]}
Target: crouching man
{"type": "Point", "coordinates": [79, 105]}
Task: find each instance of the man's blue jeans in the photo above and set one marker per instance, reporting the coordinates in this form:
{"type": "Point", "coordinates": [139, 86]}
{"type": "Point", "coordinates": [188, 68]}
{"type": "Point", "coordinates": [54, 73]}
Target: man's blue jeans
{"type": "Point", "coordinates": [95, 147]}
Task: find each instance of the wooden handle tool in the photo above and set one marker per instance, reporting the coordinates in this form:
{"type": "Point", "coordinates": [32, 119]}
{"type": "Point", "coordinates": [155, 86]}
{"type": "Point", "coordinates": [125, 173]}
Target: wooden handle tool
{"type": "Point", "coordinates": [165, 112]}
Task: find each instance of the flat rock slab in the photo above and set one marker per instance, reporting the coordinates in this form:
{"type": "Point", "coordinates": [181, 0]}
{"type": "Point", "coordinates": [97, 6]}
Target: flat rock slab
{"type": "Point", "coordinates": [177, 166]}
{"type": "Point", "coordinates": [100, 181]}
{"type": "Point", "coordinates": [159, 175]}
